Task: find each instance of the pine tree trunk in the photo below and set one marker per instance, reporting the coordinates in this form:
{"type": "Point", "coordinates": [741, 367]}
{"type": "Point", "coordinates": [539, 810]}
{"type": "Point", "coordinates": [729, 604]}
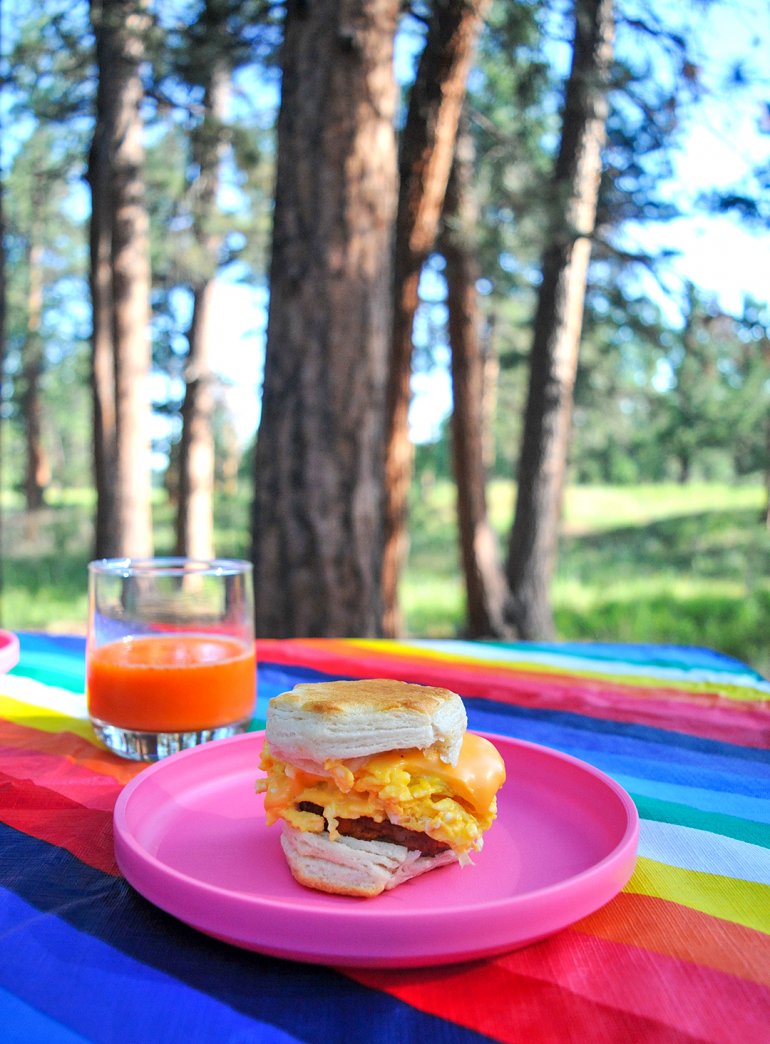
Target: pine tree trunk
{"type": "Point", "coordinates": [558, 321]}
{"type": "Point", "coordinates": [36, 472]}
{"type": "Point", "coordinates": [195, 487]}
{"type": "Point", "coordinates": [490, 380]}
{"type": "Point", "coordinates": [120, 233]}
{"type": "Point", "coordinates": [485, 584]}
{"type": "Point", "coordinates": [318, 482]}
{"type": "Point", "coordinates": [427, 146]}
{"type": "Point", "coordinates": [105, 432]}
{"type": "Point", "coordinates": [195, 515]}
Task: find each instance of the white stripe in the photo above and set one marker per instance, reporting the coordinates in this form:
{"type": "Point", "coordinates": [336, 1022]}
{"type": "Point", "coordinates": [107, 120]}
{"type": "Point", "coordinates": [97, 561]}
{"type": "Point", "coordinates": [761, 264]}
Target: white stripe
{"type": "Point", "coordinates": [28, 690]}
{"type": "Point", "coordinates": [692, 849]}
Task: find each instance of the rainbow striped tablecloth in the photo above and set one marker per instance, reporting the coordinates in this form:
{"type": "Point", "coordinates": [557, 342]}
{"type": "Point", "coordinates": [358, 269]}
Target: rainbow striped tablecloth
{"type": "Point", "coordinates": [682, 954]}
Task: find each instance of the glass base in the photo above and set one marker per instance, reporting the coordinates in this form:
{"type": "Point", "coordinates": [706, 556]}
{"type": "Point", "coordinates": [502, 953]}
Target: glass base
{"type": "Point", "coordinates": [152, 746]}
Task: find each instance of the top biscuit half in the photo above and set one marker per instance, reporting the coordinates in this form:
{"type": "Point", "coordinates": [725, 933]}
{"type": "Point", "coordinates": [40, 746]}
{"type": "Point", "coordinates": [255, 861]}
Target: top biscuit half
{"type": "Point", "coordinates": [341, 720]}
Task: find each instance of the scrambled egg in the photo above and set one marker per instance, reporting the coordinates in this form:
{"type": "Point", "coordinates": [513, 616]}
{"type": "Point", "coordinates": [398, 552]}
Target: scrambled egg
{"type": "Point", "coordinates": [408, 788]}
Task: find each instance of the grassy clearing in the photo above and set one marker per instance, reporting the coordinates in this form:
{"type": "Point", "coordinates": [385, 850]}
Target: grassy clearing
{"type": "Point", "coordinates": [680, 565]}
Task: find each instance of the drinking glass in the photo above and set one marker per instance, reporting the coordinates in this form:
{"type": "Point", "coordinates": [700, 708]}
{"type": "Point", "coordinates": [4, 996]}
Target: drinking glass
{"type": "Point", "coordinates": [170, 658]}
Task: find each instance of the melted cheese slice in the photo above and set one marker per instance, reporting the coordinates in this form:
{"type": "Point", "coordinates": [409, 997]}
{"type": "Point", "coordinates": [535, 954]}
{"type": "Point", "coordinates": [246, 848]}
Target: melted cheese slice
{"type": "Point", "coordinates": [474, 780]}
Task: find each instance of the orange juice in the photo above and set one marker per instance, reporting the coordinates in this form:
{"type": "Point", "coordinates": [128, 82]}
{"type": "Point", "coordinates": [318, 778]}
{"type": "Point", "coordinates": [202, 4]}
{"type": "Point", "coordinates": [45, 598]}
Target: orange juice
{"type": "Point", "coordinates": [172, 682]}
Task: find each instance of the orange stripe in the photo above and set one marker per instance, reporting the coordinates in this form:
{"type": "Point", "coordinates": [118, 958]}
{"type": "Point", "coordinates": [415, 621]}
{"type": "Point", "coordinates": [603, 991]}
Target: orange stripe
{"type": "Point", "coordinates": [677, 931]}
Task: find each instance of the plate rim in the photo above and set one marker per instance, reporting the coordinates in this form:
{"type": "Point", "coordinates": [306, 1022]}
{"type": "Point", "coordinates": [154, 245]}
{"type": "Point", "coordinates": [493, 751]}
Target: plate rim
{"type": "Point", "coordinates": [624, 852]}
{"type": "Point", "coordinates": [9, 650]}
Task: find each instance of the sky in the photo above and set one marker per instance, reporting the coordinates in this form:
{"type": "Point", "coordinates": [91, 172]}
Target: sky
{"type": "Point", "coordinates": [724, 141]}
{"type": "Point", "coordinates": [721, 144]}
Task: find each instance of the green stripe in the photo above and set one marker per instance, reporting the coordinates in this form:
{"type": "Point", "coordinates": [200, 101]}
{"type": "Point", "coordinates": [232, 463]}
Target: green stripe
{"type": "Point", "coordinates": [717, 822]}
{"type": "Point", "coordinates": [54, 671]}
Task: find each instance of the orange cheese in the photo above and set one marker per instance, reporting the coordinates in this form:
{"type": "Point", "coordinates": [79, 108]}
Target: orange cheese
{"type": "Point", "coordinates": [475, 779]}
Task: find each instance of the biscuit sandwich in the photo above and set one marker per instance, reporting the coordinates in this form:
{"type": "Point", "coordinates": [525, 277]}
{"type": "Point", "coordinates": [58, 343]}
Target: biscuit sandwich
{"type": "Point", "coordinates": [375, 782]}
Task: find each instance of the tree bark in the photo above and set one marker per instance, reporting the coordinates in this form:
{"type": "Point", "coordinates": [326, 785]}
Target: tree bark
{"type": "Point", "coordinates": [317, 534]}
{"type": "Point", "coordinates": [558, 320]}
{"type": "Point", "coordinates": [426, 149]}
{"type": "Point", "coordinates": [195, 517]}
{"type": "Point", "coordinates": [36, 472]}
{"type": "Point", "coordinates": [105, 432]}
{"type": "Point", "coordinates": [485, 583]}
{"type": "Point", "coordinates": [120, 287]}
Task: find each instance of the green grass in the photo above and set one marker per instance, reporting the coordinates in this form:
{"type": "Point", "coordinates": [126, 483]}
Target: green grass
{"type": "Point", "coordinates": [680, 565]}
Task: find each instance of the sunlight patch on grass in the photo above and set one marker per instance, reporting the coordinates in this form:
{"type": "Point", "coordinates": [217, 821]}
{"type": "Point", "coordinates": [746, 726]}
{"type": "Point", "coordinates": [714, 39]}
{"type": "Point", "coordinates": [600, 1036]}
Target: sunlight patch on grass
{"type": "Point", "coordinates": [592, 509]}
{"type": "Point", "coordinates": [432, 606]}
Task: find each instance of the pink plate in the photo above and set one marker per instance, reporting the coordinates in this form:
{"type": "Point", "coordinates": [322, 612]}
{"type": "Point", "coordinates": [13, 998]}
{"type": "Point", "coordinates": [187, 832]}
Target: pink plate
{"type": "Point", "coordinates": [9, 651]}
{"type": "Point", "coordinates": [190, 837]}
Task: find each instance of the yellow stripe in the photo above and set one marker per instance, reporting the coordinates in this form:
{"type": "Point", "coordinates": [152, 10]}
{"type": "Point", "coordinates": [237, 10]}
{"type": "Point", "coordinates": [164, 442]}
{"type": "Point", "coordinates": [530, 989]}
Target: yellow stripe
{"type": "Point", "coordinates": [737, 693]}
{"type": "Point", "coordinates": [43, 718]}
{"type": "Point", "coordinates": [744, 902]}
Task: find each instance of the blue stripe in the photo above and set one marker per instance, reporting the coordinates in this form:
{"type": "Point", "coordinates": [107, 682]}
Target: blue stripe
{"type": "Point", "coordinates": [282, 999]}
{"type": "Point", "coordinates": [55, 660]}
{"type": "Point", "coordinates": [676, 773]}
{"type": "Point", "coordinates": [21, 1024]}
{"type": "Point", "coordinates": [743, 793]}
{"type": "Point", "coordinates": [752, 809]}
{"type": "Point", "coordinates": [102, 994]}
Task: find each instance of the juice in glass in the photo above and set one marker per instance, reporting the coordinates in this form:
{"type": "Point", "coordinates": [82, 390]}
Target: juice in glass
{"type": "Point", "coordinates": [172, 682]}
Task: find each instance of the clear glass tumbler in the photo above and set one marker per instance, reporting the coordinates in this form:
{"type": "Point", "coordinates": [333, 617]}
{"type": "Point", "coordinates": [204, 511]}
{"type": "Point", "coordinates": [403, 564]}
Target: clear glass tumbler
{"type": "Point", "coordinates": [170, 660]}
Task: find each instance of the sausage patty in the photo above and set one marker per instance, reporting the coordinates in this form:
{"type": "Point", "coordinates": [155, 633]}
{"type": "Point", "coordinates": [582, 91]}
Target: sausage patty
{"type": "Point", "coordinates": [366, 829]}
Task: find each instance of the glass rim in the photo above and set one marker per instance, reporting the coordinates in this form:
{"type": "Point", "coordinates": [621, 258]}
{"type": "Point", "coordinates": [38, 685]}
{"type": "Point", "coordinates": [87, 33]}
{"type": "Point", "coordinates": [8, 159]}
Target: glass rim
{"type": "Point", "coordinates": [169, 565]}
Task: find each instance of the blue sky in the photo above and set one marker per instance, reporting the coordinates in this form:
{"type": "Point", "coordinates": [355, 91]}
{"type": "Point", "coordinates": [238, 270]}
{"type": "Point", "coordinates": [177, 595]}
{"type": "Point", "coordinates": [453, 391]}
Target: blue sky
{"type": "Point", "coordinates": [723, 144]}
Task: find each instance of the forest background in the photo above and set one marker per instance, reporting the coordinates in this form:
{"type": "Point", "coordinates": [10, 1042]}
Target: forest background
{"type": "Point", "coordinates": [662, 533]}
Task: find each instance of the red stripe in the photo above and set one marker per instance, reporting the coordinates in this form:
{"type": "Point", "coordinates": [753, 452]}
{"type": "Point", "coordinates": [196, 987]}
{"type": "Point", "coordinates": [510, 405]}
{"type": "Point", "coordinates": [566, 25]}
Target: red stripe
{"type": "Point", "coordinates": [672, 709]}
{"type": "Point", "coordinates": [51, 817]}
{"type": "Point", "coordinates": [544, 993]}
{"type": "Point", "coordinates": [511, 1008]}
{"type": "Point", "coordinates": [61, 775]}
{"type": "Point", "coordinates": [90, 756]}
